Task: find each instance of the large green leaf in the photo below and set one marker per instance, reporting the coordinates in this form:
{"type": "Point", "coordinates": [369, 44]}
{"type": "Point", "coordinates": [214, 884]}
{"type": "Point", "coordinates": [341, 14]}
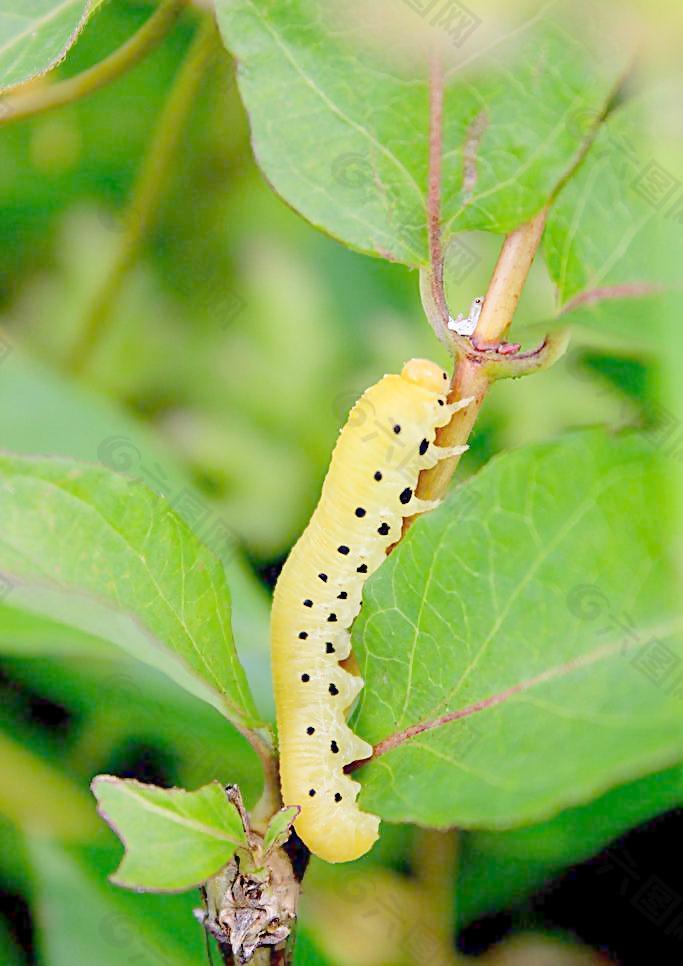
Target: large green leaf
{"type": "Point", "coordinates": [339, 111]}
{"type": "Point", "coordinates": [81, 918]}
{"type": "Point", "coordinates": [40, 412]}
{"type": "Point", "coordinates": [95, 550]}
{"type": "Point", "coordinates": [613, 230]}
{"type": "Point", "coordinates": [174, 839]}
{"type": "Point", "coordinates": [36, 34]}
{"type": "Point", "coordinates": [539, 598]}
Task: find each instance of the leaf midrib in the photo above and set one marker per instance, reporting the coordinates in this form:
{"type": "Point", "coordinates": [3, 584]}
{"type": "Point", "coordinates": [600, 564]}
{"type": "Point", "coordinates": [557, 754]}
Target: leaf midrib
{"type": "Point", "coordinates": [177, 819]}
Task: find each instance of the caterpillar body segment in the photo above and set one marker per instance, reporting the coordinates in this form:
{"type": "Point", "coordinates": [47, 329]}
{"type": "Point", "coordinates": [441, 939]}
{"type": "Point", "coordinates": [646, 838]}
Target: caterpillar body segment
{"type": "Point", "coordinates": [369, 488]}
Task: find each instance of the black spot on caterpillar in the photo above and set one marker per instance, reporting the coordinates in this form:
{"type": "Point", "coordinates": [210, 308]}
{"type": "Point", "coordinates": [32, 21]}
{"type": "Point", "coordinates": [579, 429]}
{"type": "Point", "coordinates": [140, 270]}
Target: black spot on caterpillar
{"type": "Point", "coordinates": [345, 541]}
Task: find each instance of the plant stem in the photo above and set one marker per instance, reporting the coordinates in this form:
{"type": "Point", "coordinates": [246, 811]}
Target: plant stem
{"type": "Point", "coordinates": [505, 288]}
{"type": "Point", "coordinates": [20, 105]}
{"type": "Point", "coordinates": [147, 192]}
{"type": "Point", "coordinates": [270, 800]}
{"type": "Point", "coordinates": [508, 279]}
{"type": "Point", "coordinates": [470, 378]}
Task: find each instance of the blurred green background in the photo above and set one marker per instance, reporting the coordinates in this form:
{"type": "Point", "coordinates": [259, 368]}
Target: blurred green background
{"type": "Point", "coordinates": [240, 339]}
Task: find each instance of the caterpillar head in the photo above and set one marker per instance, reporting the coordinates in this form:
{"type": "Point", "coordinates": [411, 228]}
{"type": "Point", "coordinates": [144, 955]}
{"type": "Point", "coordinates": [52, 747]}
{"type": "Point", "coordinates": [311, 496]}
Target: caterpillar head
{"type": "Point", "coordinates": [426, 374]}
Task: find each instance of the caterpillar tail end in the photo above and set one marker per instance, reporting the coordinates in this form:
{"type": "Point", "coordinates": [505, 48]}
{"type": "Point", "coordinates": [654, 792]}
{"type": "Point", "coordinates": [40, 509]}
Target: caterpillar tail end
{"type": "Point", "coordinates": [341, 842]}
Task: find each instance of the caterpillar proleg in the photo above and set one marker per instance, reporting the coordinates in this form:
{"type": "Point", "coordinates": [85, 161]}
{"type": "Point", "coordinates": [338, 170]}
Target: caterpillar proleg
{"type": "Point", "coordinates": [369, 488]}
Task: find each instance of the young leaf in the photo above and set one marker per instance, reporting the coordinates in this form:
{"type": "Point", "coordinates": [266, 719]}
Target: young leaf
{"type": "Point", "coordinates": [35, 36]}
{"type": "Point", "coordinates": [501, 604]}
{"type": "Point", "coordinates": [355, 163]}
{"type": "Point", "coordinates": [101, 553]}
{"type": "Point", "coordinates": [174, 839]}
{"type": "Point", "coordinates": [279, 827]}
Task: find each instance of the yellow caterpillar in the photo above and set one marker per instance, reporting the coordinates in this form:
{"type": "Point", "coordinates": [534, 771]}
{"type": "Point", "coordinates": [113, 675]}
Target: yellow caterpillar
{"type": "Point", "coordinates": [368, 490]}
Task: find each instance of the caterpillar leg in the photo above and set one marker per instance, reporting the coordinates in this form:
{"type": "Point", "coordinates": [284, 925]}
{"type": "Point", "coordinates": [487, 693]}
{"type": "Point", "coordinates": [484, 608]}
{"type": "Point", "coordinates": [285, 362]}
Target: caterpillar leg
{"type": "Point", "coordinates": [459, 404]}
{"type": "Point", "coordinates": [422, 506]}
{"type": "Point", "coordinates": [438, 453]}
{"type": "Point", "coordinates": [446, 452]}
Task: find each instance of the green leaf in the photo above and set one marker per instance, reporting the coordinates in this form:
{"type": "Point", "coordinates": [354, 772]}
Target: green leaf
{"type": "Point", "coordinates": [500, 602]}
{"type": "Point", "coordinates": [610, 228]}
{"type": "Point", "coordinates": [82, 918]}
{"type": "Point", "coordinates": [356, 165]}
{"type": "Point", "coordinates": [65, 418]}
{"type": "Point", "coordinates": [35, 35]}
{"type": "Point", "coordinates": [101, 553]}
{"type": "Point", "coordinates": [631, 322]}
{"type": "Point", "coordinates": [279, 827]}
{"type": "Point", "coordinates": [174, 839]}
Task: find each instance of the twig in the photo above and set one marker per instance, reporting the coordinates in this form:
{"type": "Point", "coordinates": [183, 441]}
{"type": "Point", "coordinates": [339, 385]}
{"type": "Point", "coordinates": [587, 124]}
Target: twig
{"type": "Point", "coordinates": [147, 192]}
{"type": "Point", "coordinates": [20, 105]}
{"type": "Point", "coordinates": [508, 279]}
{"type": "Point", "coordinates": [471, 377]}
{"type": "Point", "coordinates": [270, 800]}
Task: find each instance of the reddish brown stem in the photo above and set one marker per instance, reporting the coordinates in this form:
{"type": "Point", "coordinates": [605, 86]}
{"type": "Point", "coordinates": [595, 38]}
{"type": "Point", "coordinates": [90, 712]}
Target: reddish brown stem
{"type": "Point", "coordinates": [507, 281]}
